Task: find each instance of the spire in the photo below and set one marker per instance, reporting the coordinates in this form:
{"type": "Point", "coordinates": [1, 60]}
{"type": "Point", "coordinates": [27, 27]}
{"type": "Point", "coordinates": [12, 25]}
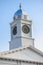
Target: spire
{"type": "Point", "coordinates": [20, 6]}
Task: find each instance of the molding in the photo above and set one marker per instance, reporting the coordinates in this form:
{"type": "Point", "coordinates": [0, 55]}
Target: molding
{"type": "Point", "coordinates": [20, 49]}
{"type": "Point", "coordinates": [17, 60]}
{"type": "Point", "coordinates": [36, 50]}
{"type": "Point", "coordinates": [20, 20]}
{"type": "Point", "coordinates": [27, 20]}
{"type": "Point", "coordinates": [24, 37]}
{"type": "Point", "coordinates": [25, 23]}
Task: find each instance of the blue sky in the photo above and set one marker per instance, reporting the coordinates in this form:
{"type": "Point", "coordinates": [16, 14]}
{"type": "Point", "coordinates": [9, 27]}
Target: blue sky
{"type": "Point", "coordinates": [34, 8]}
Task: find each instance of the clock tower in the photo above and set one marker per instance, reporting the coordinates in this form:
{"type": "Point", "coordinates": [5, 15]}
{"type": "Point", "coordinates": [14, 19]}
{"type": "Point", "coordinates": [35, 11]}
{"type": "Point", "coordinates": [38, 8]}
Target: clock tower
{"type": "Point", "coordinates": [21, 30]}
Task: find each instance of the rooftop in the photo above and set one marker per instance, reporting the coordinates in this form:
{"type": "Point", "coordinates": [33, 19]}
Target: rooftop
{"type": "Point", "coordinates": [20, 11]}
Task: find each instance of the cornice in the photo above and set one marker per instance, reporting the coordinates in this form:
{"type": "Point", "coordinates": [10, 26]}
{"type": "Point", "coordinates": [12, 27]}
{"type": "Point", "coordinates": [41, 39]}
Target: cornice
{"type": "Point", "coordinates": [17, 60]}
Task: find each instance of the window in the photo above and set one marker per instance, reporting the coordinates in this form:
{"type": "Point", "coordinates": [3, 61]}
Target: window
{"type": "Point", "coordinates": [15, 30]}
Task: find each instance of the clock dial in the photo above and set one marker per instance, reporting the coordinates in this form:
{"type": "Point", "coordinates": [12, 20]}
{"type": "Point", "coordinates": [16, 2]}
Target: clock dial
{"type": "Point", "coordinates": [15, 30]}
{"type": "Point", "coordinates": [25, 29]}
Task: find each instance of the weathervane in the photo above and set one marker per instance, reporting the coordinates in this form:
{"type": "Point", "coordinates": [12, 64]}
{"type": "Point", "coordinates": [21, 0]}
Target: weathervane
{"type": "Point", "coordinates": [20, 6]}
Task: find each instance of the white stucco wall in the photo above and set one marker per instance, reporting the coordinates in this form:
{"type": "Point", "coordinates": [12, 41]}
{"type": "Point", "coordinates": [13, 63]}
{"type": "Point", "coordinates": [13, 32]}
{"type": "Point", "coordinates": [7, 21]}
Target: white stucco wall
{"type": "Point", "coordinates": [27, 41]}
{"type": "Point", "coordinates": [15, 41]}
{"type": "Point", "coordinates": [18, 40]}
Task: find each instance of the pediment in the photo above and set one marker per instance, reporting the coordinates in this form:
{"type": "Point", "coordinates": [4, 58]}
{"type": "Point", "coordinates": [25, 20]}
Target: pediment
{"type": "Point", "coordinates": [25, 53]}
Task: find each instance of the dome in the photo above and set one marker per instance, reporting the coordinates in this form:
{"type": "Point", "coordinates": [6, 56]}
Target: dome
{"type": "Point", "coordinates": [20, 11]}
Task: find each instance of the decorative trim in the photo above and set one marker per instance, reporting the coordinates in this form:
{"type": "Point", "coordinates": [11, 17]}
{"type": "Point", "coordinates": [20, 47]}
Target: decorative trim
{"type": "Point", "coordinates": [25, 24]}
{"type": "Point", "coordinates": [25, 61]}
{"type": "Point", "coordinates": [24, 37]}
{"type": "Point", "coordinates": [20, 49]}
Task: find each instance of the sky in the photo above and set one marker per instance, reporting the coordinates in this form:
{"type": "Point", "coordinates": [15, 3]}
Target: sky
{"type": "Point", "coordinates": [34, 8]}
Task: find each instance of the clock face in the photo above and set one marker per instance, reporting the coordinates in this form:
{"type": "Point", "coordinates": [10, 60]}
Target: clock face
{"type": "Point", "coordinates": [15, 30]}
{"type": "Point", "coordinates": [25, 29]}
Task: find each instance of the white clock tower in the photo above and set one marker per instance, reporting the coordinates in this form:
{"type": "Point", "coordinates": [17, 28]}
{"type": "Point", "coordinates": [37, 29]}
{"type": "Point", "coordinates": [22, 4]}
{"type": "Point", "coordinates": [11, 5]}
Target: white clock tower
{"type": "Point", "coordinates": [21, 30]}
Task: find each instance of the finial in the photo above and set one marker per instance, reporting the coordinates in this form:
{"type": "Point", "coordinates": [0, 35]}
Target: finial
{"type": "Point", "coordinates": [20, 6]}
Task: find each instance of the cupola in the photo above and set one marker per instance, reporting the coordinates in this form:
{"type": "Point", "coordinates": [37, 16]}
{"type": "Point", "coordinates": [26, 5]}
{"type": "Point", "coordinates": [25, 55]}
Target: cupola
{"type": "Point", "coordinates": [21, 14]}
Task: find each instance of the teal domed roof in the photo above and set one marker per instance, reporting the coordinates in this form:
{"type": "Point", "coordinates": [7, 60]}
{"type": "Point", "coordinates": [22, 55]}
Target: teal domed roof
{"type": "Point", "coordinates": [20, 11]}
